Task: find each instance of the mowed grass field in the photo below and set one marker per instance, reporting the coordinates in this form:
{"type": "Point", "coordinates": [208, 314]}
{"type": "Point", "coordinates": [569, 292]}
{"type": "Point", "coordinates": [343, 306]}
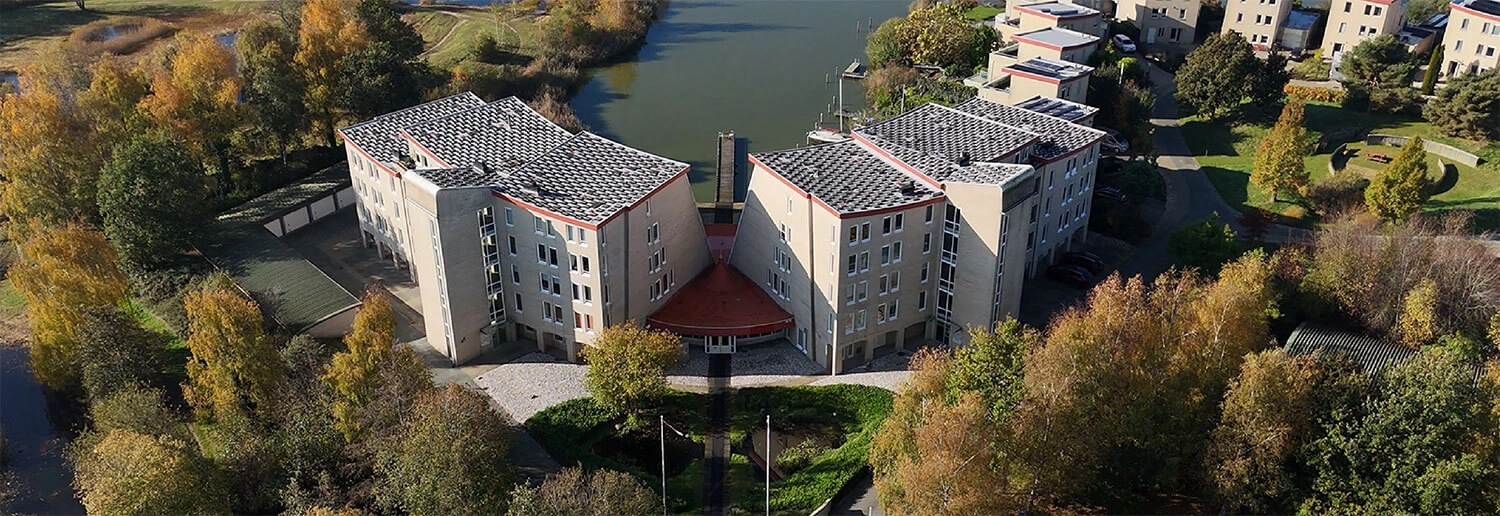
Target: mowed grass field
{"type": "Point", "coordinates": [1226, 152]}
{"type": "Point", "coordinates": [24, 30]}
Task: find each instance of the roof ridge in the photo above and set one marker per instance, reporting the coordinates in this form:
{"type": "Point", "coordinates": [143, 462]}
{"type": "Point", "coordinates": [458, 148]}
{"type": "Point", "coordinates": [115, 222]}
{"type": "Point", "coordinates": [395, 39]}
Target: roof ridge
{"type": "Point", "coordinates": [1036, 113]}
{"type": "Point", "coordinates": [996, 122]}
{"type": "Point", "coordinates": [385, 116]}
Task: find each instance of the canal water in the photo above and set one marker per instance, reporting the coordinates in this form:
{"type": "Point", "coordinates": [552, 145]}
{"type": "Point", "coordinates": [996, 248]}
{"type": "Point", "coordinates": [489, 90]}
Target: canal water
{"type": "Point", "coordinates": [755, 67]}
{"type": "Point", "coordinates": [34, 440]}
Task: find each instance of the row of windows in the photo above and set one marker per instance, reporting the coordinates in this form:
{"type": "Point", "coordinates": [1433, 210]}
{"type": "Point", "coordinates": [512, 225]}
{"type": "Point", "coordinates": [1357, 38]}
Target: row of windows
{"type": "Point", "coordinates": [553, 313]}
{"type": "Point", "coordinates": [1478, 49]}
{"type": "Point", "coordinates": [1492, 28]}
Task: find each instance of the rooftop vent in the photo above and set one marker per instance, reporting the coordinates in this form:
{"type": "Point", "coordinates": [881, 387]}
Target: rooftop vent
{"type": "Point", "coordinates": [962, 160]}
{"type": "Point", "coordinates": [908, 187]}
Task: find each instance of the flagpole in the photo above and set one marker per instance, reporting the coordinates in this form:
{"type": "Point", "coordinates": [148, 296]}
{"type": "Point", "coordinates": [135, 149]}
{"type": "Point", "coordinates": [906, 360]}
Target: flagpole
{"type": "Point", "coordinates": [768, 461]}
{"type": "Point", "coordinates": [662, 419]}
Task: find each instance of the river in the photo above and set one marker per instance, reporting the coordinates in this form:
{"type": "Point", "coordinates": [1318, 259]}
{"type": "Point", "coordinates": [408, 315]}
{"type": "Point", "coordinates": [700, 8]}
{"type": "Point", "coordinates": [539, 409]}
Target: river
{"type": "Point", "coordinates": [34, 439]}
{"type": "Point", "coordinates": [755, 67]}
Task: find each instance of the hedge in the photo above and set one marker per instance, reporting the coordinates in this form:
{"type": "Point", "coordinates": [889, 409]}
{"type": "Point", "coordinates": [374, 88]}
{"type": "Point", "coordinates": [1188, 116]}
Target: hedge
{"type": "Point", "coordinates": [1313, 94]}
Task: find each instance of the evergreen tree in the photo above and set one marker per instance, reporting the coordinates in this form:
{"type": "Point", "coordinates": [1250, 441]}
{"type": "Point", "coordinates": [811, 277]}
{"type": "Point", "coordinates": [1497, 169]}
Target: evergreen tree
{"type": "Point", "coordinates": [1468, 107]}
{"type": "Point", "coordinates": [1380, 71]}
{"type": "Point", "coordinates": [1213, 79]}
{"type": "Point", "coordinates": [1401, 188]}
{"type": "Point", "coordinates": [1279, 164]}
{"type": "Point", "coordinates": [1434, 68]}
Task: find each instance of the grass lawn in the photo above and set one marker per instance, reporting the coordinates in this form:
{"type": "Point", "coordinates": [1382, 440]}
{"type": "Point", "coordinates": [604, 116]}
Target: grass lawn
{"type": "Point", "coordinates": [1226, 152]}
{"type": "Point", "coordinates": [12, 303]}
{"type": "Point", "coordinates": [983, 12]}
{"type": "Point", "coordinates": [580, 432]}
{"type": "Point", "coordinates": [24, 30]}
{"type": "Point", "coordinates": [451, 32]}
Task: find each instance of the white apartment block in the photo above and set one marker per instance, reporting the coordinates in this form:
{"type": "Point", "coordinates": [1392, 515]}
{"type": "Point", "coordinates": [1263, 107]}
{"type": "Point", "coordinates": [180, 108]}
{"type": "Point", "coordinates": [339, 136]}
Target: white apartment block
{"type": "Point", "coordinates": [1172, 22]}
{"type": "Point", "coordinates": [1042, 54]}
{"type": "Point", "coordinates": [515, 228]}
{"type": "Point", "coordinates": [921, 226]}
{"type": "Point", "coordinates": [1259, 21]}
{"type": "Point", "coordinates": [1473, 35]}
{"type": "Point", "coordinates": [1038, 16]}
{"type": "Point", "coordinates": [1353, 21]}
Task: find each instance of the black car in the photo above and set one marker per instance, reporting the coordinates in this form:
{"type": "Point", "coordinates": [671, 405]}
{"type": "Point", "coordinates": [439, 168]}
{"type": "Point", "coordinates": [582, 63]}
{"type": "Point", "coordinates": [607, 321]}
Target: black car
{"type": "Point", "coordinates": [1088, 261]}
{"type": "Point", "coordinates": [1109, 192]}
{"type": "Point", "coordinates": [1070, 274]}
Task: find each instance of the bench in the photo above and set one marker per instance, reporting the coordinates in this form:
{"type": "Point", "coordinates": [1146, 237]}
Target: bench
{"type": "Point", "coordinates": [1380, 158]}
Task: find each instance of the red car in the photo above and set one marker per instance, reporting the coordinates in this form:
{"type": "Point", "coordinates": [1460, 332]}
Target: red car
{"type": "Point", "coordinates": [1088, 261]}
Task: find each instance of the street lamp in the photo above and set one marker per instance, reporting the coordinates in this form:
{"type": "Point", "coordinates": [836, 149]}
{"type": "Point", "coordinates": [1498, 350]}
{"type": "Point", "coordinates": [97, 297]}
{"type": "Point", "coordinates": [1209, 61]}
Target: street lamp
{"type": "Point", "coordinates": [664, 426]}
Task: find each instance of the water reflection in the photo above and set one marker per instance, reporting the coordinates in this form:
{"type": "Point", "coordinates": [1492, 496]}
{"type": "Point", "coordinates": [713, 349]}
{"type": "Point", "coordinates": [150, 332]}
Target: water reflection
{"type": "Point", "coordinates": [36, 436]}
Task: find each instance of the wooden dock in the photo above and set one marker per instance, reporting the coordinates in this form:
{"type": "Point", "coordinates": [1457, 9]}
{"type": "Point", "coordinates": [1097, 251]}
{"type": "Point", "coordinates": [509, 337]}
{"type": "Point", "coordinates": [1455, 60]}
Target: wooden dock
{"type": "Point", "coordinates": [724, 178]}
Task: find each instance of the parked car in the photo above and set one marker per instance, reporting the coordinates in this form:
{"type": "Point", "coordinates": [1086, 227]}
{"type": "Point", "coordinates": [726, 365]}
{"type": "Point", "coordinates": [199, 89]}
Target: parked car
{"type": "Point", "coordinates": [1113, 143]}
{"type": "Point", "coordinates": [1070, 274]}
{"type": "Point", "coordinates": [1088, 261]}
{"type": "Point", "coordinates": [1112, 193]}
{"type": "Point", "coordinates": [1123, 43]}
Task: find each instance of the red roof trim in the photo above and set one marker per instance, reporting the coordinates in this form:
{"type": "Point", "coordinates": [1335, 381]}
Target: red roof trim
{"type": "Point", "coordinates": [367, 156]}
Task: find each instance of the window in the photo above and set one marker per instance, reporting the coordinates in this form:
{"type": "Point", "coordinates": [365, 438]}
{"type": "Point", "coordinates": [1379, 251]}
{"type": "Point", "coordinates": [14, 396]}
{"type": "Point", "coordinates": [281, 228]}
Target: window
{"type": "Point", "coordinates": [515, 274]}
{"type": "Point", "coordinates": [541, 227]}
{"type": "Point", "coordinates": [552, 256]}
{"type": "Point", "coordinates": [556, 286]}
{"type": "Point", "coordinates": [864, 261]}
{"type": "Point", "coordinates": [557, 314]}
{"type": "Point", "coordinates": [884, 285]}
{"type": "Point", "coordinates": [924, 273]}
{"type": "Point", "coordinates": [864, 232]}
{"type": "Point", "coordinates": [896, 252]}
{"type": "Point", "coordinates": [789, 205]}
{"type": "Point", "coordinates": [1489, 52]}
{"type": "Point", "coordinates": [546, 311]}
{"type": "Point", "coordinates": [518, 302]}
{"type": "Point", "coordinates": [833, 234]}
{"type": "Point", "coordinates": [512, 244]}
{"type": "Point", "coordinates": [853, 234]}
{"type": "Point", "coordinates": [895, 281]}
{"type": "Point", "coordinates": [862, 291]}
{"type": "Point", "coordinates": [1377, 10]}
{"type": "Point", "coordinates": [853, 264]}
{"type": "Point", "coordinates": [653, 233]}
{"type": "Point", "coordinates": [1457, 46]}
{"type": "Point", "coordinates": [648, 208]}
{"type": "Point", "coordinates": [1367, 10]}
{"type": "Point", "coordinates": [885, 225]}
{"type": "Point", "coordinates": [900, 221]}
{"type": "Point", "coordinates": [885, 255]}
{"type": "Point", "coordinates": [577, 321]}
{"type": "Point", "coordinates": [880, 313]}
{"type": "Point", "coordinates": [510, 218]}
{"type": "Point", "coordinates": [583, 236]}
{"type": "Point", "coordinates": [569, 228]}
{"type": "Point", "coordinates": [785, 233]}
{"type": "Point", "coordinates": [848, 324]}
{"type": "Point", "coordinates": [859, 320]}
{"type": "Point", "coordinates": [1239, 17]}
{"type": "Point", "coordinates": [927, 241]}
{"type": "Point", "coordinates": [895, 309]}
{"type": "Point", "coordinates": [1347, 6]}
{"type": "Point", "coordinates": [1341, 31]}
{"type": "Point", "coordinates": [929, 213]}
{"type": "Point", "coordinates": [849, 295]}
{"type": "Point", "coordinates": [541, 253]}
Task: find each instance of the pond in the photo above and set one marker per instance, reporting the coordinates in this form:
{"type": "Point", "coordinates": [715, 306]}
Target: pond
{"type": "Point", "coordinates": [109, 32]}
{"type": "Point", "coordinates": [34, 441]}
{"type": "Point", "coordinates": [759, 68]}
{"type": "Point", "coordinates": [11, 78]}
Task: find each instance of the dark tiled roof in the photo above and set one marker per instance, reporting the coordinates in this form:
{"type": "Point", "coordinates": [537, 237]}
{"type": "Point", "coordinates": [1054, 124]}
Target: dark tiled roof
{"type": "Point", "coordinates": [1484, 6]}
{"type": "Point", "coordinates": [462, 177]}
{"type": "Point", "coordinates": [932, 138]}
{"type": "Point", "coordinates": [588, 177]}
{"type": "Point", "coordinates": [379, 137]}
{"type": "Point", "coordinates": [847, 177]}
{"type": "Point", "coordinates": [502, 135]}
{"type": "Point", "coordinates": [1066, 110]}
{"type": "Point", "coordinates": [1059, 136]}
{"type": "Point", "coordinates": [986, 173]}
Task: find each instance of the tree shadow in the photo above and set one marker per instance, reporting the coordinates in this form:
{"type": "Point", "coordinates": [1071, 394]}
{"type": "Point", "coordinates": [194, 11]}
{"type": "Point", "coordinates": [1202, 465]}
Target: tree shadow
{"type": "Point", "coordinates": [1210, 138]}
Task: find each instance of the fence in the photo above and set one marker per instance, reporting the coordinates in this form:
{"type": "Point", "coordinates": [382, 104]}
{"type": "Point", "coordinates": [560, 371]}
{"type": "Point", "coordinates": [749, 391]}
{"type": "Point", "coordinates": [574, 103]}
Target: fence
{"type": "Point", "coordinates": [1441, 149]}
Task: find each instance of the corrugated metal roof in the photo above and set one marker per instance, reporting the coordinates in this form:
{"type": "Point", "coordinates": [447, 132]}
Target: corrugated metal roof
{"type": "Point", "coordinates": [1375, 356]}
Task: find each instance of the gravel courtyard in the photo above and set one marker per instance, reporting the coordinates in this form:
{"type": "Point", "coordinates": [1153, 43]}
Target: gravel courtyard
{"type": "Point", "coordinates": [536, 381]}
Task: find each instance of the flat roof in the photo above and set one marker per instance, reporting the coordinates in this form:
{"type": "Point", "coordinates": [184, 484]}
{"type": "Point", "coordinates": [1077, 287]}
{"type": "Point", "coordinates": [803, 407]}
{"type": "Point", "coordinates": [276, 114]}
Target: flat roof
{"type": "Point", "coordinates": [1058, 36]}
{"type": "Point", "coordinates": [1059, 137]}
{"type": "Point", "coordinates": [1064, 109]}
{"type": "Point", "coordinates": [1051, 68]}
{"type": "Point", "coordinates": [1483, 6]}
{"type": "Point", "coordinates": [847, 177]}
{"type": "Point", "coordinates": [1059, 9]}
{"type": "Point", "coordinates": [1301, 20]}
{"type": "Point", "coordinates": [379, 137]}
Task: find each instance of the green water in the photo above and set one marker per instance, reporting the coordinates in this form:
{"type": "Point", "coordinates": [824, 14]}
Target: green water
{"type": "Point", "coordinates": [755, 67]}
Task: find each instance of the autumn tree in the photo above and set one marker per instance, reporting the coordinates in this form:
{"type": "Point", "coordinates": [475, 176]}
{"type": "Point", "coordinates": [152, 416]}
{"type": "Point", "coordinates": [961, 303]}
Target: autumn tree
{"type": "Point", "coordinates": [132, 473]}
{"type": "Point", "coordinates": [1468, 106]}
{"type": "Point", "coordinates": [234, 370]}
{"type": "Point", "coordinates": [886, 46]}
{"type": "Point", "coordinates": [133, 407]}
{"type": "Point", "coordinates": [1279, 164]}
{"type": "Point", "coordinates": [111, 104]}
{"type": "Point", "coordinates": [196, 95]}
{"type": "Point", "coordinates": [573, 491]}
{"type": "Point", "coordinates": [274, 90]}
{"type": "Point", "coordinates": [449, 457]}
{"type": "Point", "coordinates": [1267, 417]}
{"type": "Point", "coordinates": [940, 35]}
{"type": "Point", "coordinates": [1165, 352]}
{"type": "Point", "coordinates": [1205, 245]}
{"type": "Point", "coordinates": [50, 161]}
{"type": "Point", "coordinates": [1418, 323]}
{"type": "Point", "coordinates": [628, 366]}
{"type": "Point", "coordinates": [153, 199]}
{"type": "Point", "coordinates": [328, 32]}
{"type": "Point", "coordinates": [950, 471]}
{"type": "Point", "coordinates": [373, 383]}
{"type": "Point", "coordinates": [1213, 79]}
{"type": "Point", "coordinates": [115, 352]}
{"type": "Point", "coordinates": [1422, 444]}
{"type": "Point", "coordinates": [1402, 186]}
{"type": "Point", "coordinates": [990, 365]}
{"type": "Point", "coordinates": [68, 272]}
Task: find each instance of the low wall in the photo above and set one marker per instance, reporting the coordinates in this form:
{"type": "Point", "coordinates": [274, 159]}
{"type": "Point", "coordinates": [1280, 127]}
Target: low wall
{"type": "Point", "coordinates": [1446, 181]}
{"type": "Point", "coordinates": [1337, 160]}
{"type": "Point", "coordinates": [1441, 149]}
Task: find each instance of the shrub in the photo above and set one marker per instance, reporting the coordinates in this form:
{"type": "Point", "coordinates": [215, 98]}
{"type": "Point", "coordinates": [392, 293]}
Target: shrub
{"type": "Point", "coordinates": [1337, 194]}
{"type": "Point", "coordinates": [1312, 68]}
{"type": "Point", "coordinates": [798, 457]}
{"type": "Point", "coordinates": [1312, 94]}
{"type": "Point", "coordinates": [131, 33]}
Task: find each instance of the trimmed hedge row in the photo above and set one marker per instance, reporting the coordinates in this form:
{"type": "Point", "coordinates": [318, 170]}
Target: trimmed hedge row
{"type": "Point", "coordinates": [1313, 94]}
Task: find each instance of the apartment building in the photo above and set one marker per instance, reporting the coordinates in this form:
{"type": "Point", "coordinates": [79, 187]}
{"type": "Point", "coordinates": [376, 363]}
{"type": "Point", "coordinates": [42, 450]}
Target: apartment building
{"type": "Point", "coordinates": [1161, 22]}
{"type": "Point", "coordinates": [515, 228]}
{"type": "Point", "coordinates": [919, 227]}
{"type": "Point", "coordinates": [1011, 80]}
{"type": "Point", "coordinates": [1064, 15]}
{"type": "Point", "coordinates": [1259, 21]}
{"type": "Point", "coordinates": [1353, 21]}
{"type": "Point", "coordinates": [1473, 33]}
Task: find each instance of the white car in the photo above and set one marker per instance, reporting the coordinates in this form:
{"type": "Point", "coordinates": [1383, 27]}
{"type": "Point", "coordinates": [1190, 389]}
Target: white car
{"type": "Point", "coordinates": [1124, 44]}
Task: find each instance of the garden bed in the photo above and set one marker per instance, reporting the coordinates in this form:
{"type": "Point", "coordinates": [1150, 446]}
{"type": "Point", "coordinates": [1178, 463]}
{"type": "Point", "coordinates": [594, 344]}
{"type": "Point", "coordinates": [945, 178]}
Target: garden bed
{"type": "Point", "coordinates": [581, 432]}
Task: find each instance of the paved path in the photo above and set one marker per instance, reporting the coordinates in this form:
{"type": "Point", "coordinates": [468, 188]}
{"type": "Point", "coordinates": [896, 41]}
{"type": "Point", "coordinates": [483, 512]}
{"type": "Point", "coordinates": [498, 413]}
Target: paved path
{"type": "Point", "coordinates": [716, 443]}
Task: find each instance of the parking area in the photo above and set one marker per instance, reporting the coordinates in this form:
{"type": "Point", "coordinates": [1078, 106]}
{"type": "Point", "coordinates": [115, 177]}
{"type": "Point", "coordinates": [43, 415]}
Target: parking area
{"type": "Point", "coordinates": [1042, 297]}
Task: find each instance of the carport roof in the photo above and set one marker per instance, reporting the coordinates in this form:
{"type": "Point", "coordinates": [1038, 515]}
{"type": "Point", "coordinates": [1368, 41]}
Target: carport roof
{"type": "Point", "coordinates": [289, 289]}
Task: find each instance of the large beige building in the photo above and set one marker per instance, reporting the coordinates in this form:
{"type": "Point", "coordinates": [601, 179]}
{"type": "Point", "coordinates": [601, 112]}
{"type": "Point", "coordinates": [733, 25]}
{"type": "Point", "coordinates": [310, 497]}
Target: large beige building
{"type": "Point", "coordinates": [1353, 21]}
{"type": "Point", "coordinates": [1043, 48]}
{"type": "Point", "coordinates": [515, 228]}
{"type": "Point", "coordinates": [919, 227]}
{"type": "Point", "coordinates": [1473, 35]}
{"type": "Point", "coordinates": [1059, 14]}
{"type": "Point", "coordinates": [1259, 21]}
{"type": "Point", "coordinates": [1162, 22]}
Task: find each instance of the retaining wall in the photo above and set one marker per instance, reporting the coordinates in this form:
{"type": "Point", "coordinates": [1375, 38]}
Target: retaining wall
{"type": "Point", "coordinates": [1441, 149]}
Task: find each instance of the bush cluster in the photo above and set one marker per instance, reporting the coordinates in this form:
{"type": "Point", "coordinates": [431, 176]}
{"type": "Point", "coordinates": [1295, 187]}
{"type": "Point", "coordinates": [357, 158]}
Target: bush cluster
{"type": "Point", "coordinates": [1313, 94]}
